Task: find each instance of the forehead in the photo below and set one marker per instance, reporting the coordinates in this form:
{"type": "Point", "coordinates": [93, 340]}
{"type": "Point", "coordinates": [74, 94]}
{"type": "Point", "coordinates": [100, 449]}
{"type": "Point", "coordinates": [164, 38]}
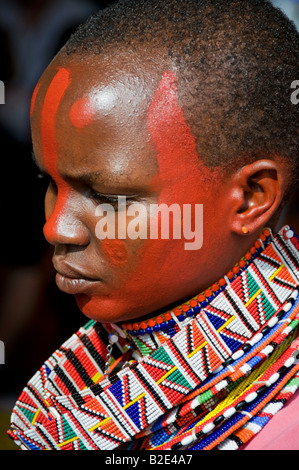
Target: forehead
{"type": "Point", "coordinates": [94, 107]}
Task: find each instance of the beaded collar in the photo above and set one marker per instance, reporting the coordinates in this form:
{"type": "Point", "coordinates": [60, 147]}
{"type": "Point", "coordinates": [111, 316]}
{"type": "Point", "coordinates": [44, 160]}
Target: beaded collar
{"type": "Point", "coordinates": [202, 381]}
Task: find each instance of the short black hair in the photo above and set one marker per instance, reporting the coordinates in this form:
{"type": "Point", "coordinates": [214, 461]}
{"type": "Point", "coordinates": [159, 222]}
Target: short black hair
{"type": "Point", "coordinates": [235, 59]}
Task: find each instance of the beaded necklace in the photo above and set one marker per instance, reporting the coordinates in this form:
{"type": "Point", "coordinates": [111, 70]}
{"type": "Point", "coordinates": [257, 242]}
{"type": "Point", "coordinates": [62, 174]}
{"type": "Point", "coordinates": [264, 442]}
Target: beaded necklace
{"type": "Point", "coordinates": [208, 374]}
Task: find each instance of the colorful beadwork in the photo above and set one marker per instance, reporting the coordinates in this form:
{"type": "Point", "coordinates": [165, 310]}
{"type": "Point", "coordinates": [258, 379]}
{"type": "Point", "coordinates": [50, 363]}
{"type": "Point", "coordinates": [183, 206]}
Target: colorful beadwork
{"type": "Point", "coordinates": [202, 376]}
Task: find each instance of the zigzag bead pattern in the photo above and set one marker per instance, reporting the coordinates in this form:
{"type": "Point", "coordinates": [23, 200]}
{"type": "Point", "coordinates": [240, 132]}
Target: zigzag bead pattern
{"type": "Point", "coordinates": [196, 382]}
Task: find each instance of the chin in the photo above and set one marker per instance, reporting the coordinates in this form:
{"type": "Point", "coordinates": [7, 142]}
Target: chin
{"type": "Point", "coordinates": [103, 309]}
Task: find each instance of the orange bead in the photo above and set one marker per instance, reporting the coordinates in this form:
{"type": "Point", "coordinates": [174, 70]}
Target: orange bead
{"type": "Point", "coordinates": [167, 316]}
{"type": "Point", "coordinates": [151, 323]}
{"type": "Point", "coordinates": [143, 325]}
{"type": "Point", "coordinates": [266, 232]}
{"type": "Point", "coordinates": [208, 293]}
{"type": "Point", "coordinates": [185, 308]}
{"type": "Point", "coordinates": [159, 320]}
{"type": "Point", "coordinates": [222, 282]}
{"type": "Point", "coordinates": [242, 263]}
{"type": "Point", "coordinates": [248, 256]}
{"type": "Point", "coordinates": [177, 312]}
{"type": "Point", "coordinates": [201, 298]}
{"type": "Point", "coordinates": [135, 326]}
{"type": "Point", "coordinates": [236, 269]}
{"type": "Point", "coordinates": [230, 275]}
{"type": "Point", "coordinates": [215, 287]}
{"type": "Point", "coordinates": [193, 303]}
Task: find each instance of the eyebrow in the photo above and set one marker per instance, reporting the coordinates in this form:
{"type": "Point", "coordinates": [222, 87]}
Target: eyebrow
{"type": "Point", "coordinates": [86, 177]}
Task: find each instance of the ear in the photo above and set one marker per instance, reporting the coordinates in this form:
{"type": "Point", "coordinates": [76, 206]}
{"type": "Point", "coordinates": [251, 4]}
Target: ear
{"type": "Point", "coordinates": [258, 190]}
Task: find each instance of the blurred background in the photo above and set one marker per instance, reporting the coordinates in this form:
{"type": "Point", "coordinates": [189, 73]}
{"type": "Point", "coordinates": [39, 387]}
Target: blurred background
{"type": "Point", "coordinates": [35, 317]}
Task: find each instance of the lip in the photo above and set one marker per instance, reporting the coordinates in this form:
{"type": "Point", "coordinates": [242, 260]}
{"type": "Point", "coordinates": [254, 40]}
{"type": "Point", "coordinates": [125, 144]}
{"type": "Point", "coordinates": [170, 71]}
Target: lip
{"type": "Point", "coordinates": [74, 285]}
{"type": "Point", "coordinates": [72, 281]}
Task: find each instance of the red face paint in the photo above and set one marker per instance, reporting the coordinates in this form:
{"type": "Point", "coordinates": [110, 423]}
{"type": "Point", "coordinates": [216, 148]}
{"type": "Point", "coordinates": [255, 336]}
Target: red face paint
{"type": "Point", "coordinates": [163, 271]}
{"type": "Point", "coordinates": [82, 113]}
{"type": "Point", "coordinates": [53, 97]}
{"type": "Point", "coordinates": [33, 99]}
{"type": "Point", "coordinates": [115, 251]}
{"type": "Point", "coordinates": [176, 146]}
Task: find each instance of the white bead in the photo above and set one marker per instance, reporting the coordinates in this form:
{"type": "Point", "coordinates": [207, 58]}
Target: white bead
{"type": "Point", "coordinates": [113, 338]}
{"type": "Point", "coordinates": [273, 378]}
{"type": "Point", "coordinates": [187, 440]}
{"type": "Point", "coordinates": [238, 354]}
{"type": "Point", "coordinates": [252, 396]}
{"type": "Point", "coordinates": [230, 412]}
{"type": "Point", "coordinates": [267, 350]}
{"type": "Point", "coordinates": [272, 322]}
{"type": "Point", "coordinates": [208, 427]}
{"type": "Point", "coordinates": [256, 338]}
{"type": "Point", "coordinates": [289, 362]}
{"type": "Point", "coordinates": [287, 307]}
{"type": "Point", "coordinates": [294, 294]}
{"type": "Point", "coordinates": [290, 233]}
{"type": "Point", "coordinates": [217, 370]}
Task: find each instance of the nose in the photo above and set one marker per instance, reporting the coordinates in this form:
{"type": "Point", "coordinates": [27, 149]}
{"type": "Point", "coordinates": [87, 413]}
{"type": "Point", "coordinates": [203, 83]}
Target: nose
{"type": "Point", "coordinates": [64, 225]}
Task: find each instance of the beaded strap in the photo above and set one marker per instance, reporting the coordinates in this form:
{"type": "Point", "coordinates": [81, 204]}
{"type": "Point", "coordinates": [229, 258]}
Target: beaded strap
{"type": "Point", "coordinates": [190, 366]}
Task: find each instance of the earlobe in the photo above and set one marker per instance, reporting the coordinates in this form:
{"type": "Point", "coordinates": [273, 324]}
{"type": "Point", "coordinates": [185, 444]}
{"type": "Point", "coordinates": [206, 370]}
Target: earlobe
{"type": "Point", "coordinates": [259, 189]}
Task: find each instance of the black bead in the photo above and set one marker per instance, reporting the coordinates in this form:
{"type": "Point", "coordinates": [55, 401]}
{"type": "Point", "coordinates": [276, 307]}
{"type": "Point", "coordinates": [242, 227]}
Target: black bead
{"type": "Point", "coordinates": [246, 347]}
{"type": "Point", "coordinates": [218, 420]}
{"type": "Point", "coordinates": [280, 314]}
{"type": "Point", "coordinates": [176, 446]}
{"type": "Point", "coordinates": [261, 390]}
{"type": "Point", "coordinates": [240, 406]}
{"type": "Point", "coordinates": [265, 330]}
{"type": "Point", "coordinates": [282, 370]}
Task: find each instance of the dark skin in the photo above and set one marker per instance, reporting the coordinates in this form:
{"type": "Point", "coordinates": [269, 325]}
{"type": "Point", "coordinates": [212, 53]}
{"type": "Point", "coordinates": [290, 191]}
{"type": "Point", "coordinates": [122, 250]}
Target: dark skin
{"type": "Point", "coordinates": [107, 148]}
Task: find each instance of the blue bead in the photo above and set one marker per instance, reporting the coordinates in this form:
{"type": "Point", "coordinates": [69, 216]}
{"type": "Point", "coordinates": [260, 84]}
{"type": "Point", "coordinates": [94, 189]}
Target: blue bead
{"type": "Point", "coordinates": [196, 309]}
{"type": "Point", "coordinates": [190, 313]}
{"type": "Point", "coordinates": [181, 317]}
{"type": "Point", "coordinates": [171, 322]}
{"type": "Point", "coordinates": [204, 303]}
{"type": "Point", "coordinates": [148, 330]}
{"type": "Point", "coordinates": [134, 332]}
{"type": "Point", "coordinates": [156, 328]}
{"type": "Point", "coordinates": [163, 325]}
{"type": "Point", "coordinates": [141, 332]}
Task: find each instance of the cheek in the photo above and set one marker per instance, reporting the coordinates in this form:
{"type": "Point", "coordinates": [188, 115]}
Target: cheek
{"type": "Point", "coordinates": [115, 252]}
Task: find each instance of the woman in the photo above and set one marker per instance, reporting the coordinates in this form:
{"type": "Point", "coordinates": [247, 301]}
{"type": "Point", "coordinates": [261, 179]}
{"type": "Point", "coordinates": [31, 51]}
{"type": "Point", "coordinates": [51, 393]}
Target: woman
{"type": "Point", "coordinates": [178, 108]}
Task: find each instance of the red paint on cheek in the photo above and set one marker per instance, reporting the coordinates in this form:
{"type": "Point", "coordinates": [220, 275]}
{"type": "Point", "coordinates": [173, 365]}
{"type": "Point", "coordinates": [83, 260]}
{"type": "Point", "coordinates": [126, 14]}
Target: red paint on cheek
{"type": "Point", "coordinates": [53, 98]}
{"type": "Point", "coordinates": [115, 251]}
{"type": "Point", "coordinates": [82, 113]}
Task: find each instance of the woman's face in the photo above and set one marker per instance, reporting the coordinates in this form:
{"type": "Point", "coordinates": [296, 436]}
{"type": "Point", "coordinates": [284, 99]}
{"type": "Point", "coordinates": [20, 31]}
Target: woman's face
{"type": "Point", "coordinates": [104, 134]}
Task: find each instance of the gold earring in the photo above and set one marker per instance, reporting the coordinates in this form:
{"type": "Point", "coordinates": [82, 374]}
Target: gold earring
{"type": "Point", "coordinates": [245, 229]}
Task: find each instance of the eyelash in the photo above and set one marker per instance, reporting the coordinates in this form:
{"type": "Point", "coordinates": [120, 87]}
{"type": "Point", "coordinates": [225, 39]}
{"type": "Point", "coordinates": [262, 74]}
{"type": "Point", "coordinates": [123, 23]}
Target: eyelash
{"type": "Point", "coordinates": [98, 197]}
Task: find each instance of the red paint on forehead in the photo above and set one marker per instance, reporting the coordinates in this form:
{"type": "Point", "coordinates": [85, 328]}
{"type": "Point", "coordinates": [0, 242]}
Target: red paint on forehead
{"type": "Point", "coordinates": [82, 113]}
{"type": "Point", "coordinates": [176, 146]}
{"type": "Point", "coordinates": [54, 95]}
{"type": "Point", "coordinates": [33, 98]}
